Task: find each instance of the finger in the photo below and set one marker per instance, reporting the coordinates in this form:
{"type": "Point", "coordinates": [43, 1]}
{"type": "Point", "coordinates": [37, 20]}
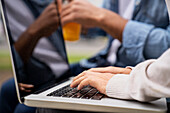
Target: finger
{"type": "Point", "coordinates": [66, 10]}
{"type": "Point", "coordinates": [25, 90]}
{"type": "Point", "coordinates": [103, 70]}
{"type": "Point", "coordinates": [83, 83]}
{"type": "Point", "coordinates": [22, 89]}
{"type": "Point", "coordinates": [54, 13]}
{"type": "Point", "coordinates": [52, 6]}
{"type": "Point", "coordinates": [67, 19]}
{"type": "Point", "coordinates": [26, 85]}
{"type": "Point", "coordinates": [80, 75]}
{"type": "Point", "coordinates": [28, 91]}
{"type": "Point", "coordinates": [98, 70]}
{"type": "Point", "coordinates": [113, 70]}
{"type": "Point", "coordinates": [66, 6]}
{"type": "Point", "coordinates": [59, 3]}
{"type": "Point", "coordinates": [77, 82]}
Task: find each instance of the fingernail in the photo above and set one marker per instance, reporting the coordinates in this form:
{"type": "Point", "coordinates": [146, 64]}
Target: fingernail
{"type": "Point", "coordinates": [78, 88]}
{"type": "Point", "coordinates": [70, 85]}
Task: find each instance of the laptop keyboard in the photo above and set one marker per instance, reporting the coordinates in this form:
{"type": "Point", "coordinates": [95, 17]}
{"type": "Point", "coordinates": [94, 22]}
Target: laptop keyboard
{"type": "Point", "coordinates": [87, 92]}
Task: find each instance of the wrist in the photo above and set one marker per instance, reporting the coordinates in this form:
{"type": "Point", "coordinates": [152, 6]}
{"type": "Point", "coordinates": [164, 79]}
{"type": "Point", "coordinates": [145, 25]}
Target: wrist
{"type": "Point", "coordinates": [127, 71]}
{"type": "Point", "coordinates": [101, 18]}
{"type": "Point", "coordinates": [34, 32]}
{"type": "Point", "coordinates": [112, 23]}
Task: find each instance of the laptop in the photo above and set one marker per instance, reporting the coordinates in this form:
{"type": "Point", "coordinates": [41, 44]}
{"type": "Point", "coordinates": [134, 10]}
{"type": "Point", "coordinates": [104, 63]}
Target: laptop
{"type": "Point", "coordinates": [58, 95]}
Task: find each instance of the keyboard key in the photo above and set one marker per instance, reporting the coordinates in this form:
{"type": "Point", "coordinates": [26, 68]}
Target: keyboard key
{"type": "Point", "coordinates": [68, 95]}
{"type": "Point", "coordinates": [58, 94]}
{"type": "Point", "coordinates": [77, 95]}
{"type": "Point", "coordinates": [71, 93]}
{"type": "Point", "coordinates": [87, 92]}
{"type": "Point", "coordinates": [75, 90]}
{"type": "Point", "coordinates": [90, 94]}
{"type": "Point", "coordinates": [98, 96]}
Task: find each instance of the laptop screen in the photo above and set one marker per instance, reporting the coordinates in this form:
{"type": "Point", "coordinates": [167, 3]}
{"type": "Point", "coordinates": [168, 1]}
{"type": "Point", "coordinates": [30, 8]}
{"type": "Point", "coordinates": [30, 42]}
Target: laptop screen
{"type": "Point", "coordinates": [37, 46]}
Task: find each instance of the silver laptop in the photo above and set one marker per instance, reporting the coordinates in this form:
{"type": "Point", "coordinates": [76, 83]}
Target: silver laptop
{"type": "Point", "coordinates": [58, 95]}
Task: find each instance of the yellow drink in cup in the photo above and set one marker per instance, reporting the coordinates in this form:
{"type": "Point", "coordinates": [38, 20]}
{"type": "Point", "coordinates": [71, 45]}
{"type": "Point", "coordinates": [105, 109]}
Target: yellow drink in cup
{"type": "Point", "coordinates": [71, 31]}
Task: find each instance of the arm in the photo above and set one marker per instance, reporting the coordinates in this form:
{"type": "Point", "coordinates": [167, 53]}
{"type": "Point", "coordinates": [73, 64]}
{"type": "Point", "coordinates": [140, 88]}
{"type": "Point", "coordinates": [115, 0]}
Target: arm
{"type": "Point", "coordinates": [44, 26]}
{"type": "Point", "coordinates": [147, 82]}
{"type": "Point", "coordinates": [98, 77]}
{"type": "Point", "coordinates": [111, 5]}
{"type": "Point", "coordinates": [92, 16]}
{"type": "Point", "coordinates": [149, 42]}
{"type": "Point", "coordinates": [139, 39]}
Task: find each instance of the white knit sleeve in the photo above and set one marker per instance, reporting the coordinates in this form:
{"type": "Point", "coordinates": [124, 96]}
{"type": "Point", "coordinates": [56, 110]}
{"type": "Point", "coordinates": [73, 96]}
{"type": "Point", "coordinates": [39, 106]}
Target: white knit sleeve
{"type": "Point", "coordinates": [148, 81]}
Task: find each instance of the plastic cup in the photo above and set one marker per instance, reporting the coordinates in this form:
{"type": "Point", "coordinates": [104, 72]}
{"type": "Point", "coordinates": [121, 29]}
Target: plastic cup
{"type": "Point", "coordinates": [71, 31]}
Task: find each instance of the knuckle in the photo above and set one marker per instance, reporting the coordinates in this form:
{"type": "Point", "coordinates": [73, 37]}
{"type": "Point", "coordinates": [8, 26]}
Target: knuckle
{"type": "Point", "coordinates": [89, 80]}
{"type": "Point", "coordinates": [86, 75]}
{"type": "Point", "coordinates": [85, 72]}
{"type": "Point", "coordinates": [74, 79]}
{"type": "Point", "coordinates": [73, 8]}
{"type": "Point", "coordinates": [86, 81]}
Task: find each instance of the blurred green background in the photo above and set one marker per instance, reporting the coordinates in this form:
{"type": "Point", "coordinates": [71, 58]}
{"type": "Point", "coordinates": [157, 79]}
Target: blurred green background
{"type": "Point", "coordinates": [5, 63]}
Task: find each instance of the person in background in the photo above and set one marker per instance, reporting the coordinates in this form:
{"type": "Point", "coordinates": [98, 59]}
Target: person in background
{"type": "Point", "coordinates": [137, 33]}
{"type": "Point", "coordinates": [33, 26]}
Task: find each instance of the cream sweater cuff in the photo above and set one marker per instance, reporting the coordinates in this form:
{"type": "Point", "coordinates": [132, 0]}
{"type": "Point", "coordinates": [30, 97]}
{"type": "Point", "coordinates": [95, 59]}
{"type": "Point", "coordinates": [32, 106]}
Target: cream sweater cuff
{"type": "Point", "coordinates": [118, 87]}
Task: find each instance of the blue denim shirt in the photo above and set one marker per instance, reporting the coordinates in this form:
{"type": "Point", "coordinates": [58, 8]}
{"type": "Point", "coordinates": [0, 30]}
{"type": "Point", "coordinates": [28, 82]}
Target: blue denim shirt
{"type": "Point", "coordinates": [147, 35]}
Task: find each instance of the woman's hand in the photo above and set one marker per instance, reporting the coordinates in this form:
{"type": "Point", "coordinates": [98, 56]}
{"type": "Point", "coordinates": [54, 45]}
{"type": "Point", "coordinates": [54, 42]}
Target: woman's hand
{"type": "Point", "coordinates": [98, 77]}
{"type": "Point", "coordinates": [94, 79]}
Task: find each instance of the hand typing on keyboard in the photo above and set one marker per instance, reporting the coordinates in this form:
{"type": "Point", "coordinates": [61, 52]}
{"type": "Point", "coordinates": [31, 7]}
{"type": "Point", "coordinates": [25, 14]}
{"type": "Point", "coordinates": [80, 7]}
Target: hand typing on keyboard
{"type": "Point", "coordinates": [98, 77]}
{"type": "Point", "coordinates": [94, 79]}
{"type": "Point", "coordinates": [90, 84]}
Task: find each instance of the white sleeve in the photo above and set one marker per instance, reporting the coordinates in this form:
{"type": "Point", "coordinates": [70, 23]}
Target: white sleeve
{"type": "Point", "coordinates": [148, 81]}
